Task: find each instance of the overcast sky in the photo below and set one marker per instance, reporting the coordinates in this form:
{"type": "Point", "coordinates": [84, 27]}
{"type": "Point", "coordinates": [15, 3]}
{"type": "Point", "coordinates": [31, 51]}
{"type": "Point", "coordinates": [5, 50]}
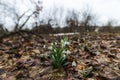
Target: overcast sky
{"type": "Point", "coordinates": [104, 9]}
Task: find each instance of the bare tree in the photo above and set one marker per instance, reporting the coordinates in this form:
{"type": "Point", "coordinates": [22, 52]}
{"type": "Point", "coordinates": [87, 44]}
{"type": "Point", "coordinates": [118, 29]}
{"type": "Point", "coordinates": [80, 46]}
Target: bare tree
{"type": "Point", "coordinates": [72, 20]}
{"type": "Point", "coordinates": [54, 16]}
{"type": "Point", "coordinates": [37, 9]}
{"type": "Point", "coordinates": [109, 26]}
{"type": "Point", "coordinates": [89, 19]}
{"type": "Point", "coordinates": [24, 17]}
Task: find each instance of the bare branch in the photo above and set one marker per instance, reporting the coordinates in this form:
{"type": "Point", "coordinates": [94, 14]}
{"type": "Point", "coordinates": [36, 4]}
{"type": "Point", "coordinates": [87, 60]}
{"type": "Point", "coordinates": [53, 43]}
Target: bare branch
{"type": "Point", "coordinates": [25, 21]}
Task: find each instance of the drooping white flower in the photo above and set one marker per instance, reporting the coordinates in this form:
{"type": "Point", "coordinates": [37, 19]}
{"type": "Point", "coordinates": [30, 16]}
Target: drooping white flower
{"type": "Point", "coordinates": [64, 42]}
{"type": "Point", "coordinates": [74, 63]}
{"type": "Point", "coordinates": [52, 44]}
{"type": "Point", "coordinates": [44, 46]}
{"type": "Point", "coordinates": [68, 52]}
{"type": "Point", "coordinates": [50, 47]}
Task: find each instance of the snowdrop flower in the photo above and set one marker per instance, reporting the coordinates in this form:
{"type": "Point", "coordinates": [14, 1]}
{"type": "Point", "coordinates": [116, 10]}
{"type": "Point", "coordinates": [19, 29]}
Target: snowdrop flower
{"type": "Point", "coordinates": [64, 56]}
{"type": "Point", "coordinates": [68, 52]}
{"type": "Point", "coordinates": [50, 47]}
{"type": "Point", "coordinates": [52, 44]}
{"type": "Point", "coordinates": [64, 42]}
{"type": "Point", "coordinates": [44, 46]}
{"type": "Point", "coordinates": [67, 43]}
{"type": "Point", "coordinates": [74, 63]}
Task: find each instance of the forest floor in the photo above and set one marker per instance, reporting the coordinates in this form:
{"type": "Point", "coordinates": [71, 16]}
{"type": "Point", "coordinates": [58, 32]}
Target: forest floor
{"type": "Point", "coordinates": [25, 56]}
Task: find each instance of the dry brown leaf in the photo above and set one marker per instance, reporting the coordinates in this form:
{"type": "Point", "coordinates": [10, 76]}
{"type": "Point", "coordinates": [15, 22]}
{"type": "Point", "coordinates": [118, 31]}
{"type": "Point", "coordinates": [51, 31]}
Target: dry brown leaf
{"type": "Point", "coordinates": [71, 48]}
{"type": "Point", "coordinates": [36, 51]}
{"type": "Point", "coordinates": [80, 67]}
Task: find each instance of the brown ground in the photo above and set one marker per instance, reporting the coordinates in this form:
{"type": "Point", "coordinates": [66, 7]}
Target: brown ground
{"type": "Point", "coordinates": [25, 56]}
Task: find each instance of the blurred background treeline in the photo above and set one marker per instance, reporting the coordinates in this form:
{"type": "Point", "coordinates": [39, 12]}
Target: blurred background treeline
{"type": "Point", "coordinates": [56, 20]}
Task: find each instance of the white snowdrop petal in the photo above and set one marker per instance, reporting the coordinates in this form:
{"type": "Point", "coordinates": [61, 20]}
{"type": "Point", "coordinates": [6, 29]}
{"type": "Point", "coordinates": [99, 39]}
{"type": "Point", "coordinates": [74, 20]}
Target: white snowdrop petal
{"type": "Point", "coordinates": [74, 63]}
